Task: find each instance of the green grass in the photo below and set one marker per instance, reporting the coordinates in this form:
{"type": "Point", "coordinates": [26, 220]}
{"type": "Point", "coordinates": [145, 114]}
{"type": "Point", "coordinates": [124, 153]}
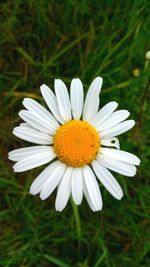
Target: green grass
{"type": "Point", "coordinates": [42, 40]}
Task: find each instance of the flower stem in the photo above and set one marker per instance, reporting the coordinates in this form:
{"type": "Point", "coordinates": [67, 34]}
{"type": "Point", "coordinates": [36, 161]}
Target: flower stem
{"type": "Point", "coordinates": [77, 220]}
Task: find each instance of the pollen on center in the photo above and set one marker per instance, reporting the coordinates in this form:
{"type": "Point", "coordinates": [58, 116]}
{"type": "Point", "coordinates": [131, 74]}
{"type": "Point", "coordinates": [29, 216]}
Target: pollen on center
{"type": "Point", "coordinates": [76, 143]}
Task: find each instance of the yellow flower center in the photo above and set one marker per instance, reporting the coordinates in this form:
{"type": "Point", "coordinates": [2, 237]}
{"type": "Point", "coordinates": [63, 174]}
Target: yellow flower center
{"type": "Point", "coordinates": [76, 143]}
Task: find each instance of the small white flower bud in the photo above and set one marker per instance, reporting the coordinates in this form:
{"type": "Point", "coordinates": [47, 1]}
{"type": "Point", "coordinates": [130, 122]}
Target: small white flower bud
{"type": "Point", "coordinates": [147, 55]}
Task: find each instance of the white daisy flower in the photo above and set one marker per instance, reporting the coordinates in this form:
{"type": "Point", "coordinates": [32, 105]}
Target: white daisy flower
{"type": "Point", "coordinates": [77, 140]}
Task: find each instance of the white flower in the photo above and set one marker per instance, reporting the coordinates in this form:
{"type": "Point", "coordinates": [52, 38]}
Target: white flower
{"type": "Point", "coordinates": [76, 139]}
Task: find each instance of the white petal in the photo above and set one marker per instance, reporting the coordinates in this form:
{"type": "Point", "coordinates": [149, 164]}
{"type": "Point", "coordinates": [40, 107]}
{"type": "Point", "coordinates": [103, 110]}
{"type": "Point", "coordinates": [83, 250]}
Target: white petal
{"type": "Point", "coordinates": [92, 188]}
{"type": "Point", "coordinates": [64, 190]}
{"type": "Point", "coordinates": [63, 100]}
{"type": "Point", "coordinates": [31, 135]}
{"type": "Point", "coordinates": [104, 113]}
{"type": "Point", "coordinates": [86, 194]}
{"type": "Point", "coordinates": [39, 182]}
{"type": "Point", "coordinates": [114, 142]}
{"type": "Point", "coordinates": [21, 153]}
{"type": "Point", "coordinates": [117, 165]}
{"type": "Point", "coordinates": [77, 185]}
{"type": "Point", "coordinates": [118, 129]}
{"type": "Point", "coordinates": [114, 119]}
{"type": "Point", "coordinates": [120, 155]}
{"type": "Point", "coordinates": [91, 103]}
{"type": "Point", "coordinates": [25, 124]}
{"type": "Point", "coordinates": [41, 113]}
{"type": "Point", "coordinates": [53, 180]}
{"type": "Point", "coordinates": [51, 102]}
{"type": "Point", "coordinates": [76, 98]}
{"type": "Point", "coordinates": [35, 122]}
{"type": "Point", "coordinates": [35, 160]}
{"type": "Point", "coordinates": [107, 180]}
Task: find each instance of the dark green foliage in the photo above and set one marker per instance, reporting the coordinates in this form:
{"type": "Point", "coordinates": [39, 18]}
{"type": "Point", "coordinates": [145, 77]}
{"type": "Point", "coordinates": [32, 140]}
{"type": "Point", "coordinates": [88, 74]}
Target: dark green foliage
{"type": "Point", "coordinates": [42, 40]}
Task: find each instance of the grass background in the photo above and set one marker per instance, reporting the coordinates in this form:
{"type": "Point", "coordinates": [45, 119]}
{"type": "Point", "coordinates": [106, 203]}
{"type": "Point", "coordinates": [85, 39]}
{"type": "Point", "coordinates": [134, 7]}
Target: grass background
{"type": "Point", "coordinates": [42, 40]}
